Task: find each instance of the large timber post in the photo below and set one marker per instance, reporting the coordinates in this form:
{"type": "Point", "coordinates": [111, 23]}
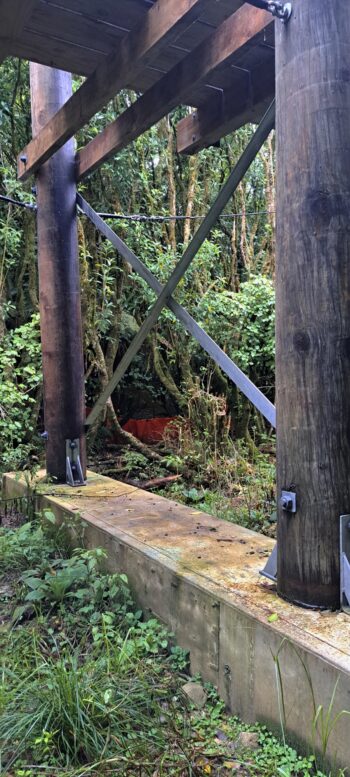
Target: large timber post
{"type": "Point", "coordinates": [313, 296]}
{"type": "Point", "coordinates": [59, 283]}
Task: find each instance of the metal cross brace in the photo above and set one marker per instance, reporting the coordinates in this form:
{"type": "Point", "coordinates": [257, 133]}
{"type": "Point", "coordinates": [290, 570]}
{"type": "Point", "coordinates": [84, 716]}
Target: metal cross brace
{"type": "Point", "coordinates": [248, 388]}
{"type": "Point", "coordinates": [165, 292]}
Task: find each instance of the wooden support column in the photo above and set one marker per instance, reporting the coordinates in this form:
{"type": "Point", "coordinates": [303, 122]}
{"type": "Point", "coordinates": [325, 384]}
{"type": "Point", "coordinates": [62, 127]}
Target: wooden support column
{"type": "Point", "coordinates": [313, 295]}
{"type": "Point", "coordinates": [59, 283]}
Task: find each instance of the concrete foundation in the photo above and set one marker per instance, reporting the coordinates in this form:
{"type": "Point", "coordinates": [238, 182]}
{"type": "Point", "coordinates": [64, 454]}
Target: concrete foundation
{"type": "Point", "coordinates": [200, 576]}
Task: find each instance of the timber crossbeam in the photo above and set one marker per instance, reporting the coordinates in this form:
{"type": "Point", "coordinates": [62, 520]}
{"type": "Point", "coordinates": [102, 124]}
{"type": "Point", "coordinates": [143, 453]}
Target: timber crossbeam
{"type": "Point", "coordinates": [161, 25]}
{"type": "Point", "coordinates": [114, 74]}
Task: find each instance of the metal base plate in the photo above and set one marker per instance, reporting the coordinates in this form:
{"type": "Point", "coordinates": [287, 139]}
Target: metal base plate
{"type": "Point", "coordinates": [74, 471]}
{"type": "Point", "coordinates": [270, 570]}
{"type": "Point", "coordinates": [345, 563]}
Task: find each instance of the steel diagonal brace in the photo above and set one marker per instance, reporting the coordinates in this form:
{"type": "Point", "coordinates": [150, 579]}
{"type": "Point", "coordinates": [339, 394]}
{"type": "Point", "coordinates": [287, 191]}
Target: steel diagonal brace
{"type": "Point", "coordinates": [166, 291]}
{"type": "Point", "coordinates": [248, 388]}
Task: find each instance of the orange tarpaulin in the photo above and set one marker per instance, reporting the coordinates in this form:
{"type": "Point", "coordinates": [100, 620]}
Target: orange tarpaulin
{"type": "Point", "coordinates": [148, 430]}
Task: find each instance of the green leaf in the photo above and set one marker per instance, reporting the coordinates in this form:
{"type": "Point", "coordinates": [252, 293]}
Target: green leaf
{"type": "Point", "coordinates": [35, 596]}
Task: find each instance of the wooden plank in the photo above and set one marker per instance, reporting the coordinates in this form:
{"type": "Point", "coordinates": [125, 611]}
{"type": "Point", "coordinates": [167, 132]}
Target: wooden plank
{"type": "Point", "coordinates": [14, 15]}
{"type": "Point", "coordinates": [72, 28]}
{"type": "Point", "coordinates": [215, 14]}
{"type": "Point", "coordinates": [171, 90]}
{"type": "Point", "coordinates": [55, 53]}
{"type": "Point", "coordinates": [227, 112]}
{"type": "Point", "coordinates": [124, 13]}
{"type": "Point", "coordinates": [227, 365]}
{"type": "Point", "coordinates": [161, 25]}
{"type": "Point", "coordinates": [192, 249]}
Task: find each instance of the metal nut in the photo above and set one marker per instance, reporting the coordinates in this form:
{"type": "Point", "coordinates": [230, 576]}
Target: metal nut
{"type": "Point", "coordinates": [286, 504]}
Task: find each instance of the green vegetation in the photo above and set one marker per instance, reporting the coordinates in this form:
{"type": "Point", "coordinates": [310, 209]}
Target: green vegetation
{"type": "Point", "coordinates": [20, 392]}
{"type": "Point", "coordinates": [89, 688]}
{"type": "Point", "coordinates": [228, 289]}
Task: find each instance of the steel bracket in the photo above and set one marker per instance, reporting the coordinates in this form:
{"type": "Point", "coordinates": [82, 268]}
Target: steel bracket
{"type": "Point", "coordinates": [279, 9]}
{"type": "Point", "coordinates": [288, 501]}
{"type": "Point", "coordinates": [74, 470]}
{"type": "Point", "coordinates": [270, 570]}
{"type": "Point", "coordinates": [345, 563]}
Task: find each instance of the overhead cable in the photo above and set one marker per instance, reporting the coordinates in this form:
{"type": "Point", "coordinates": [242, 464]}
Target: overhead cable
{"type": "Point", "coordinates": [17, 203]}
{"type": "Point", "coordinates": [142, 217]}
{"type": "Point", "coordinates": [179, 217]}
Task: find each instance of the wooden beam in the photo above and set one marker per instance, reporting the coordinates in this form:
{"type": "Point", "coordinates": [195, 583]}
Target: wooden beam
{"type": "Point", "coordinates": [14, 15]}
{"type": "Point", "coordinates": [162, 24]}
{"type": "Point", "coordinates": [171, 90]}
{"type": "Point", "coordinates": [228, 111]}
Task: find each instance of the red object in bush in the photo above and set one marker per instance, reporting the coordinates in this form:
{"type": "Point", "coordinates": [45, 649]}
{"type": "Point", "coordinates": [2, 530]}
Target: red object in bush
{"type": "Point", "coordinates": [148, 430]}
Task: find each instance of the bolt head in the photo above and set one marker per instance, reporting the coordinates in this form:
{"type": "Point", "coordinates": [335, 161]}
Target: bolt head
{"type": "Point", "coordinates": [286, 503]}
{"type": "Point", "coordinates": [287, 12]}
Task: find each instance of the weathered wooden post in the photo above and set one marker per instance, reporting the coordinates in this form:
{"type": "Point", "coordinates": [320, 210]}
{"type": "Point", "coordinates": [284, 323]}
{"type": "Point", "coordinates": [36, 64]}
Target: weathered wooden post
{"type": "Point", "coordinates": [313, 296]}
{"type": "Point", "coordinates": [59, 284]}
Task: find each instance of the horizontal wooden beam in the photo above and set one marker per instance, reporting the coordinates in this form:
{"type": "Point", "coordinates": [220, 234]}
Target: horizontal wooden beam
{"type": "Point", "coordinates": [159, 27]}
{"type": "Point", "coordinates": [172, 89]}
{"type": "Point", "coordinates": [227, 112]}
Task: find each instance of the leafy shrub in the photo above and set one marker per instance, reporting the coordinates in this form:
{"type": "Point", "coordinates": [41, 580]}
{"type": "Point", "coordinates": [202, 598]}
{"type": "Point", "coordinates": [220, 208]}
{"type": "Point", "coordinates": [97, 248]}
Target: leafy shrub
{"type": "Point", "coordinates": [243, 324]}
{"type": "Point", "coordinates": [88, 688]}
{"type": "Point", "coordinates": [23, 547]}
{"type": "Point", "coordinates": [20, 380]}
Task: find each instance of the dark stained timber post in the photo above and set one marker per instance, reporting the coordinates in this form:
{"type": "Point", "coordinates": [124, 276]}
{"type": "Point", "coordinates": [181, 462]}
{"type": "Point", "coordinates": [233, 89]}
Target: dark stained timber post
{"type": "Point", "coordinates": [59, 283]}
{"type": "Point", "coordinates": [313, 296]}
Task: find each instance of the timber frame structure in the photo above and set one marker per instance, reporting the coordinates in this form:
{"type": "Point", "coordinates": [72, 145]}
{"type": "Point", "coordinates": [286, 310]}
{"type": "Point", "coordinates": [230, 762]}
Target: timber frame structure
{"type": "Point", "coordinates": [229, 61]}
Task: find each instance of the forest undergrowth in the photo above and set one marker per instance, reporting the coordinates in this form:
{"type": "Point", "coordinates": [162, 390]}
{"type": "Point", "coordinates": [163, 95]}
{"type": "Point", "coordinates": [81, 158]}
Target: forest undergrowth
{"type": "Point", "coordinates": [88, 687]}
{"type": "Point", "coordinates": [201, 464]}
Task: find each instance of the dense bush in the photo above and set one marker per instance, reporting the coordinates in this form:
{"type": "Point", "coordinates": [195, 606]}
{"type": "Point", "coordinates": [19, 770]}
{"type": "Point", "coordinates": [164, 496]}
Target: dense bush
{"type": "Point", "coordinates": [227, 287]}
{"type": "Point", "coordinates": [20, 391]}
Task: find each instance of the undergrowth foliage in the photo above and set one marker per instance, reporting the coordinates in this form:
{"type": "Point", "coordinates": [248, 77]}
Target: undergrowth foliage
{"type": "Point", "coordinates": [20, 392]}
{"type": "Point", "coordinates": [90, 688]}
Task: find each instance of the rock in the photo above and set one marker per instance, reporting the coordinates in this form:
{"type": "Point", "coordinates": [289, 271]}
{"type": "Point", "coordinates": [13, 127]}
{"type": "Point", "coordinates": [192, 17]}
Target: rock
{"type": "Point", "coordinates": [195, 693]}
{"type": "Point", "coordinates": [248, 740]}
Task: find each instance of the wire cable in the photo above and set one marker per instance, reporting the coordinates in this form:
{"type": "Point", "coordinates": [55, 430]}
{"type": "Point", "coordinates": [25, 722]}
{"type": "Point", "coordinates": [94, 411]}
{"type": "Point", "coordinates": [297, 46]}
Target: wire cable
{"type": "Point", "coordinates": [179, 217]}
{"type": "Point", "coordinates": [142, 217]}
{"type": "Point", "coordinates": [17, 203]}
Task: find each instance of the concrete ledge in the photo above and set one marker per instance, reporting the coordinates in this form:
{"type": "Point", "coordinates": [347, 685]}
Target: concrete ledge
{"type": "Point", "coordinates": [200, 576]}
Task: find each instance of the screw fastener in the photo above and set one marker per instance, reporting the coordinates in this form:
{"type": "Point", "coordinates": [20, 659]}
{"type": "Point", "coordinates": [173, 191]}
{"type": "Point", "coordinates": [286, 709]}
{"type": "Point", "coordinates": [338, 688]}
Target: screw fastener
{"type": "Point", "coordinates": [288, 502]}
{"type": "Point", "coordinates": [281, 10]}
